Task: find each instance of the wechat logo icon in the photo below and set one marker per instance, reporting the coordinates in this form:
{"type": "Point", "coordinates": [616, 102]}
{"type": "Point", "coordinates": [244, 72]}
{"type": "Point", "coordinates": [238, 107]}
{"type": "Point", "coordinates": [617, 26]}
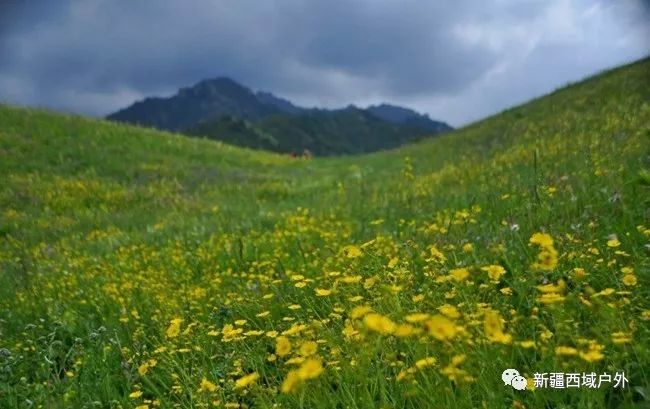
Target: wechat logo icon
{"type": "Point", "coordinates": [511, 377]}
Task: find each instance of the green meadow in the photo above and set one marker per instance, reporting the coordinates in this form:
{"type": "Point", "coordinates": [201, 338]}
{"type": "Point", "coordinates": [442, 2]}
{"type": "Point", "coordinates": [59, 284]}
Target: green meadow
{"type": "Point", "coordinates": [142, 269]}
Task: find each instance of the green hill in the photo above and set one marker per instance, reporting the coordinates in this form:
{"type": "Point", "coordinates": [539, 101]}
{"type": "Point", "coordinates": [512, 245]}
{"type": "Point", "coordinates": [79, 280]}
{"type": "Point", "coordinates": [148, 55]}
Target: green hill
{"type": "Point", "coordinates": [321, 132]}
{"type": "Point", "coordinates": [146, 269]}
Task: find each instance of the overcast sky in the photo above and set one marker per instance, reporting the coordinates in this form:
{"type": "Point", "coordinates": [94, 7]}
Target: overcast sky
{"type": "Point", "coordinates": [457, 60]}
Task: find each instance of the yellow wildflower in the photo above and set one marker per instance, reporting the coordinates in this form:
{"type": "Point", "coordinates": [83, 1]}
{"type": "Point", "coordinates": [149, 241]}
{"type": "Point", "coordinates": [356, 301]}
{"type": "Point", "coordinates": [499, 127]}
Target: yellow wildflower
{"type": "Point", "coordinates": [494, 271]}
{"type": "Point", "coordinates": [454, 373]}
{"type": "Point", "coordinates": [291, 382]}
{"type": "Point", "coordinates": [459, 274]}
{"type": "Point", "coordinates": [379, 323]}
{"type": "Point", "coordinates": [449, 311]}
{"type": "Point", "coordinates": [621, 338]}
{"type": "Point", "coordinates": [542, 239]}
{"type": "Point", "coordinates": [550, 298]}
{"type": "Point", "coordinates": [436, 255]}
{"type": "Point", "coordinates": [230, 333]}
{"type": "Point", "coordinates": [308, 348]}
{"type": "Point", "coordinates": [493, 327]}
{"type": "Point", "coordinates": [135, 394]}
{"type": "Point", "coordinates": [441, 328]}
{"type": "Point", "coordinates": [546, 259]}
{"type": "Point", "coordinates": [405, 330]}
{"type": "Point", "coordinates": [527, 344]}
{"type": "Point", "coordinates": [174, 328]}
{"type": "Point", "coordinates": [360, 311]}
{"type": "Point", "coordinates": [310, 369]}
{"type": "Point", "coordinates": [144, 367]}
{"type": "Point", "coordinates": [551, 288]}
{"type": "Point", "coordinates": [423, 363]}
{"type": "Point", "coordinates": [416, 317]}
{"type": "Point", "coordinates": [246, 380]}
{"type": "Point", "coordinates": [579, 273]}
{"type": "Point", "coordinates": [350, 279]}
{"type": "Point", "coordinates": [613, 243]}
{"type": "Point", "coordinates": [295, 329]}
{"type": "Point", "coordinates": [564, 350]}
{"type": "Point", "coordinates": [629, 280]}
{"type": "Point", "coordinates": [282, 346]}
{"type": "Point", "coordinates": [352, 251]}
{"type": "Point", "coordinates": [207, 386]}
{"type": "Point", "coordinates": [370, 282]}
{"type": "Point", "coordinates": [593, 354]}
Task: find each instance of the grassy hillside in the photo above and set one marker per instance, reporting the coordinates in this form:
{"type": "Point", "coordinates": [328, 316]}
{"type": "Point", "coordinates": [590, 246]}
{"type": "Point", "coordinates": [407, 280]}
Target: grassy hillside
{"type": "Point", "coordinates": [144, 269]}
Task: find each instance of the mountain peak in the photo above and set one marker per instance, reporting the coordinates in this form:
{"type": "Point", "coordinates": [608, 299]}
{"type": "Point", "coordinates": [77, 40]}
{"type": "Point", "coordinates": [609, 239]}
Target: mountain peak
{"type": "Point", "coordinates": [205, 100]}
{"type": "Point", "coordinates": [215, 86]}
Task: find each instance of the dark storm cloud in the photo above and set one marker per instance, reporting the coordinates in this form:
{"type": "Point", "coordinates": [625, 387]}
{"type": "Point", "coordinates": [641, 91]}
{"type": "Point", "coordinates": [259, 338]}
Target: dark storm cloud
{"type": "Point", "coordinates": [457, 61]}
{"type": "Point", "coordinates": [410, 48]}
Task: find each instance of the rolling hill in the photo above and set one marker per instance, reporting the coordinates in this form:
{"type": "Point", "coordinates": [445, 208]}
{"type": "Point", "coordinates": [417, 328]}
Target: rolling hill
{"type": "Point", "coordinates": [146, 269]}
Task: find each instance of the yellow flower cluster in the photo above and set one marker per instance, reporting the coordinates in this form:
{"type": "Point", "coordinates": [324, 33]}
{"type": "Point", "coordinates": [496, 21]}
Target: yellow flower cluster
{"type": "Point", "coordinates": [547, 256]}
